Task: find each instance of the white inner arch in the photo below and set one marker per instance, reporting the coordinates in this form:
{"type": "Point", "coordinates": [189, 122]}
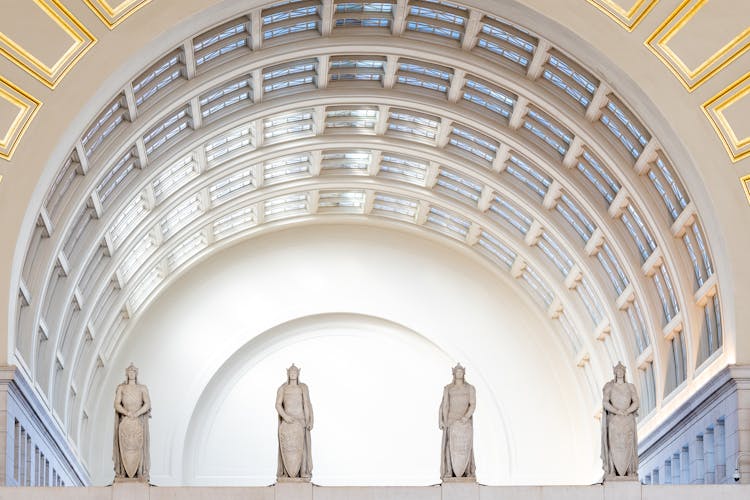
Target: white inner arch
{"type": "Point", "coordinates": [411, 307]}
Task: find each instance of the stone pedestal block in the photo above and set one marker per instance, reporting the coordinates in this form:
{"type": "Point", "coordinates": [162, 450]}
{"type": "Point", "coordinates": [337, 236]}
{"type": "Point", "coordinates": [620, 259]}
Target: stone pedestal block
{"type": "Point", "coordinates": [293, 490]}
{"type": "Point", "coordinates": [460, 490]}
{"type": "Point", "coordinates": [622, 490]}
{"type": "Point", "coordinates": [130, 490]}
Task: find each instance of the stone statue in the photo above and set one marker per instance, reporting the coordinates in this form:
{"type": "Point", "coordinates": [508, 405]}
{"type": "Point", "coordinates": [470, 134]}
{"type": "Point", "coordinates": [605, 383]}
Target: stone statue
{"type": "Point", "coordinates": [619, 433]}
{"type": "Point", "coordinates": [456, 422]}
{"type": "Point", "coordinates": [131, 440]}
{"type": "Point", "coordinates": [295, 424]}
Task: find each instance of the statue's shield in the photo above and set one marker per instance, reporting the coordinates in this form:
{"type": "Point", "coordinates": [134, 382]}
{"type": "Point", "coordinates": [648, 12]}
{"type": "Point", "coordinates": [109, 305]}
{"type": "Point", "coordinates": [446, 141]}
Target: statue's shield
{"type": "Point", "coordinates": [291, 442]}
{"type": "Point", "coordinates": [131, 444]}
{"type": "Point", "coordinates": [460, 439]}
{"type": "Point", "coordinates": [621, 443]}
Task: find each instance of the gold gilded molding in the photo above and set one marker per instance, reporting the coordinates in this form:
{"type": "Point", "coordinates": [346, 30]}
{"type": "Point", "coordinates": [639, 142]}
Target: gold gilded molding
{"type": "Point", "coordinates": [737, 94]}
{"type": "Point", "coordinates": [658, 43]}
{"type": "Point", "coordinates": [114, 15]}
{"type": "Point", "coordinates": [628, 18]}
{"type": "Point", "coordinates": [27, 107]}
{"type": "Point", "coordinates": [746, 186]}
{"type": "Point", "coordinates": [81, 42]}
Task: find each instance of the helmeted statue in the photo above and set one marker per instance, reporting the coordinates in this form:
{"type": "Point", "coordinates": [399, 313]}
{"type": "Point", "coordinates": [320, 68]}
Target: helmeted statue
{"type": "Point", "coordinates": [619, 431]}
{"type": "Point", "coordinates": [295, 424]}
{"type": "Point", "coordinates": [131, 440]}
{"type": "Point", "coordinates": [456, 422]}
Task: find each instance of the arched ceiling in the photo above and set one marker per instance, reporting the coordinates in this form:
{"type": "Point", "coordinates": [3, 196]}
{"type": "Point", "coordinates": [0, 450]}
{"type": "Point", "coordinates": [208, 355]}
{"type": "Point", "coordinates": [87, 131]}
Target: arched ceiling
{"type": "Point", "coordinates": [466, 122]}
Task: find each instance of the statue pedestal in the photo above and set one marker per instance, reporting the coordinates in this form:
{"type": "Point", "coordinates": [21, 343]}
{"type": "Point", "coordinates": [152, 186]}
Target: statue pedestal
{"type": "Point", "coordinates": [459, 489]}
{"type": "Point", "coordinates": [293, 489]}
{"type": "Point", "coordinates": [130, 489]}
{"type": "Point", "coordinates": [622, 489]}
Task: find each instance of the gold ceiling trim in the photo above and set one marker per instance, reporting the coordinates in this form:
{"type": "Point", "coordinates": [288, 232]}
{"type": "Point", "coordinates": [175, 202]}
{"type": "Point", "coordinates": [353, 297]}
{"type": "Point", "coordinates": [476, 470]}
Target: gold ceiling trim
{"type": "Point", "coordinates": [715, 108]}
{"type": "Point", "coordinates": [745, 180]}
{"type": "Point", "coordinates": [114, 15]}
{"type": "Point", "coordinates": [628, 18]}
{"type": "Point", "coordinates": [27, 105]}
{"type": "Point", "coordinates": [658, 43]}
{"type": "Point", "coordinates": [82, 41]}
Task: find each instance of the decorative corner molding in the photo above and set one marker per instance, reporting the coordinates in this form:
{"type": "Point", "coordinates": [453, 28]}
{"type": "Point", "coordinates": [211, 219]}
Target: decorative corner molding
{"type": "Point", "coordinates": [746, 186]}
{"type": "Point", "coordinates": [685, 14]}
{"type": "Point", "coordinates": [112, 15]}
{"type": "Point", "coordinates": [49, 73]}
{"type": "Point", "coordinates": [16, 118]}
{"type": "Point", "coordinates": [724, 109]}
{"type": "Point", "coordinates": [627, 17]}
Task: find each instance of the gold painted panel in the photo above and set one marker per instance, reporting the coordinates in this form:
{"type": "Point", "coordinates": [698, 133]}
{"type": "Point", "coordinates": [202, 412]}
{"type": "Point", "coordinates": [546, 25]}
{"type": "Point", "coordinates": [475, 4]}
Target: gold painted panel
{"type": "Point", "coordinates": [700, 38]}
{"type": "Point", "coordinates": [112, 15]}
{"type": "Point", "coordinates": [626, 16]}
{"type": "Point", "coordinates": [51, 63]}
{"type": "Point", "coordinates": [16, 113]}
{"type": "Point", "coordinates": [746, 186]}
{"type": "Point", "coordinates": [729, 114]}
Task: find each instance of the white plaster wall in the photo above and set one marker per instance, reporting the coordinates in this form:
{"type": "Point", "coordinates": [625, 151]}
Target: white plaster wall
{"type": "Point", "coordinates": [422, 306]}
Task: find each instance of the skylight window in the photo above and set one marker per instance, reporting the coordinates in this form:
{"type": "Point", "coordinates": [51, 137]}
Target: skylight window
{"type": "Point", "coordinates": [363, 14]}
{"type": "Point", "coordinates": [538, 286]}
{"type": "Point", "coordinates": [624, 126]}
{"type": "Point", "coordinates": [341, 201]}
{"type": "Point", "coordinates": [116, 176]}
{"type": "Point", "coordinates": [348, 68]}
{"type": "Point", "coordinates": [286, 168]}
{"type": "Point", "coordinates": [668, 186]}
{"type": "Point", "coordinates": [575, 217]}
{"type": "Point", "coordinates": [180, 216]}
{"type": "Point", "coordinates": [548, 130]}
{"type": "Point", "coordinates": [363, 117]}
{"type": "Point", "coordinates": [232, 185]}
{"type": "Point", "coordinates": [598, 175]}
{"type": "Point", "coordinates": [169, 128]}
{"type": "Point", "coordinates": [417, 74]}
{"type": "Point", "coordinates": [612, 268]}
{"type": "Point", "coordinates": [394, 206]}
{"type": "Point", "coordinates": [473, 142]}
{"type": "Point", "coordinates": [225, 39]}
{"type": "Point", "coordinates": [105, 124]}
{"type": "Point", "coordinates": [442, 19]}
{"type": "Point", "coordinates": [571, 78]}
{"type": "Point", "coordinates": [496, 248]}
{"type": "Point", "coordinates": [509, 42]}
{"type": "Point", "coordinates": [289, 75]}
{"type": "Point", "coordinates": [145, 288]}
{"type": "Point", "coordinates": [489, 96]}
{"type": "Point", "coordinates": [134, 259]}
{"type": "Point", "coordinates": [292, 17]}
{"type": "Point", "coordinates": [228, 145]}
{"type": "Point", "coordinates": [185, 250]}
{"type": "Point", "coordinates": [226, 96]}
{"type": "Point", "coordinates": [174, 177]}
{"type": "Point", "coordinates": [285, 206]}
{"type": "Point", "coordinates": [233, 223]}
{"type": "Point", "coordinates": [555, 253]}
{"type": "Point", "coordinates": [510, 214]}
{"type": "Point", "coordinates": [458, 186]}
{"type": "Point", "coordinates": [448, 223]}
{"type": "Point", "coordinates": [346, 161]}
{"type": "Point", "coordinates": [404, 168]}
{"type": "Point", "coordinates": [523, 171]}
{"type": "Point", "coordinates": [131, 215]}
{"type": "Point", "coordinates": [166, 71]}
{"type": "Point", "coordinates": [288, 126]}
{"type": "Point", "coordinates": [412, 123]}
{"type": "Point", "coordinates": [638, 231]}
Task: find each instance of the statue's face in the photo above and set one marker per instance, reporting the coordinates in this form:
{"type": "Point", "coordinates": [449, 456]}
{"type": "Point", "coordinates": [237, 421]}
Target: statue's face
{"type": "Point", "coordinates": [459, 373]}
{"type": "Point", "coordinates": [620, 372]}
{"type": "Point", "coordinates": [131, 373]}
{"type": "Point", "coordinates": [293, 374]}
